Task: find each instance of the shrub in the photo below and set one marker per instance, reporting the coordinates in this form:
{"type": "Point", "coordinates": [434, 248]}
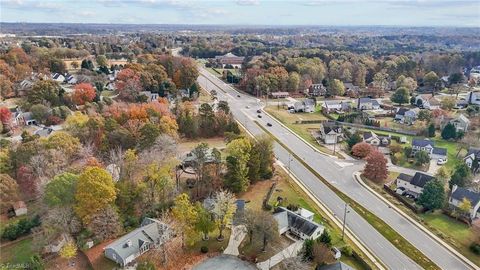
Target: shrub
{"type": "Point", "coordinates": [204, 249]}
{"type": "Point", "coordinates": [347, 250]}
{"type": "Point", "coordinates": [22, 227]}
{"type": "Point", "coordinates": [475, 248]}
{"type": "Point", "coordinates": [292, 207]}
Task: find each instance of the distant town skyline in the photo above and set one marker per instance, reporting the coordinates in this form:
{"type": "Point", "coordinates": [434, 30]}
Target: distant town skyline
{"type": "Point", "coordinates": [247, 12]}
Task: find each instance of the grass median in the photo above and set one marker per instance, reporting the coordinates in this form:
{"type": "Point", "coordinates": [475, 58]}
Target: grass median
{"type": "Point", "coordinates": [383, 228]}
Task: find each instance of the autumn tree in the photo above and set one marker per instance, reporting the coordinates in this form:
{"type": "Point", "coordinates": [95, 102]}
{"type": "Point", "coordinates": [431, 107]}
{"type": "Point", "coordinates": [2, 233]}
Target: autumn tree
{"type": "Point", "coordinates": [205, 223]}
{"type": "Point", "coordinates": [69, 250]}
{"type": "Point", "coordinates": [27, 182]}
{"type": "Point", "coordinates": [185, 213]}
{"type": "Point", "coordinates": [223, 209]}
{"type": "Point", "coordinates": [465, 206]}
{"type": "Point", "coordinates": [433, 195]}
{"type": "Point", "coordinates": [64, 142]}
{"type": "Point", "coordinates": [128, 84]}
{"type": "Point", "coordinates": [45, 91]}
{"type": "Point", "coordinates": [336, 88]}
{"type": "Point", "coordinates": [322, 254]}
{"type": "Point", "coordinates": [159, 181]}
{"type": "Point", "coordinates": [362, 149]}
{"type": "Point", "coordinates": [105, 224]}
{"type": "Point", "coordinates": [95, 191]}
{"type": "Point", "coordinates": [5, 117]}
{"type": "Point", "coordinates": [8, 192]}
{"type": "Point", "coordinates": [448, 103]}
{"type": "Point", "coordinates": [430, 80]}
{"type": "Point", "coordinates": [102, 61]}
{"type": "Point", "coordinates": [407, 82]}
{"type": "Point", "coordinates": [262, 227]}
{"type": "Point", "coordinates": [376, 167]}
{"type": "Point", "coordinates": [84, 92]}
{"type": "Point", "coordinates": [401, 96]}
{"type": "Point", "coordinates": [236, 178]}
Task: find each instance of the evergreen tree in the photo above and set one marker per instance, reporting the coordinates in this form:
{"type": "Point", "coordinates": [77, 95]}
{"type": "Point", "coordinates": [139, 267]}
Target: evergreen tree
{"type": "Point", "coordinates": [433, 195]}
{"type": "Point", "coordinates": [449, 132]}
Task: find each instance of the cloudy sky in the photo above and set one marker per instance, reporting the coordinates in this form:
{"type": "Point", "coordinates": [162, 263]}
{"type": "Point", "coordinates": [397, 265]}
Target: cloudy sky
{"type": "Point", "coordinates": [246, 12]}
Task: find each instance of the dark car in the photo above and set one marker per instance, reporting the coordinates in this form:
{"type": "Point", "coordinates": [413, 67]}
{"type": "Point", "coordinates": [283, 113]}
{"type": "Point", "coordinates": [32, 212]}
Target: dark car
{"type": "Point", "coordinates": [259, 111]}
{"type": "Point", "coordinates": [259, 116]}
{"type": "Point", "coordinates": [238, 95]}
{"type": "Point", "coordinates": [268, 124]}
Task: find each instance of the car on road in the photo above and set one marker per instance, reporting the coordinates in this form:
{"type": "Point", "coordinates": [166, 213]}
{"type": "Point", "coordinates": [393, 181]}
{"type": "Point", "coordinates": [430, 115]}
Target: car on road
{"type": "Point", "coordinates": [259, 116]}
{"type": "Point", "coordinates": [259, 111]}
{"type": "Point", "coordinates": [269, 124]}
{"type": "Point", "coordinates": [248, 107]}
{"type": "Point", "coordinates": [441, 161]}
{"type": "Point", "coordinates": [238, 95]}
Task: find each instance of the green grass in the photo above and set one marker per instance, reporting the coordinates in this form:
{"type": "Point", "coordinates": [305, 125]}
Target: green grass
{"type": "Point", "coordinates": [107, 93]}
{"type": "Point", "coordinates": [17, 253]}
{"type": "Point", "coordinates": [212, 243]}
{"type": "Point", "coordinates": [383, 228]}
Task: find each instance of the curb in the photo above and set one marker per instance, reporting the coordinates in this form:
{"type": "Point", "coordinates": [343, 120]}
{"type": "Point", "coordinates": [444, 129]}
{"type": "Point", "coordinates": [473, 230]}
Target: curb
{"type": "Point", "coordinates": [416, 223]}
{"type": "Point", "coordinates": [359, 243]}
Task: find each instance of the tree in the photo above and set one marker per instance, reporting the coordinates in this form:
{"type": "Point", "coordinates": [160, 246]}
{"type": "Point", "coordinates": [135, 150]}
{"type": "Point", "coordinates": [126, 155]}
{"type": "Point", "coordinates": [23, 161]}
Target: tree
{"type": "Point", "coordinates": [149, 133]}
{"type": "Point", "coordinates": [322, 254]}
{"type": "Point", "coordinates": [336, 88]}
{"type": "Point", "coordinates": [5, 117]}
{"type": "Point", "coordinates": [449, 132]}
{"type": "Point", "coordinates": [400, 96]}
{"type": "Point", "coordinates": [95, 191]}
{"type": "Point", "coordinates": [407, 82]}
{"type": "Point", "coordinates": [128, 84]}
{"type": "Point", "coordinates": [430, 80]}
{"type": "Point", "coordinates": [40, 112]}
{"type": "Point", "coordinates": [293, 81]}
{"type": "Point", "coordinates": [60, 191]}
{"type": "Point", "coordinates": [448, 103]}
{"type": "Point", "coordinates": [433, 195]}
{"type": "Point", "coordinates": [205, 223]}
{"type": "Point", "coordinates": [465, 206]}
{"type": "Point", "coordinates": [84, 92]}
{"type": "Point", "coordinates": [325, 238]}
{"type": "Point", "coordinates": [158, 180]}
{"type": "Point", "coordinates": [362, 149]}
{"type": "Point", "coordinates": [431, 130]}
{"type": "Point", "coordinates": [8, 192]}
{"type": "Point", "coordinates": [262, 226]}
{"type": "Point", "coordinates": [223, 209]}
{"type": "Point", "coordinates": [376, 167]}
{"type": "Point", "coordinates": [186, 216]}
{"type": "Point", "coordinates": [44, 91]}
{"type": "Point", "coordinates": [105, 224]}
{"type": "Point", "coordinates": [102, 61]}
{"type": "Point", "coordinates": [260, 163]}
{"type": "Point", "coordinates": [87, 64]}
{"type": "Point", "coordinates": [64, 142]}
{"type": "Point", "coordinates": [442, 174]}
{"type": "Point", "coordinates": [28, 183]}
{"type": "Point", "coordinates": [461, 176]}
{"type": "Point", "coordinates": [425, 115]}
{"type": "Point", "coordinates": [201, 153]}
{"type": "Point", "coordinates": [422, 158]}
{"type": "Point", "coordinates": [353, 140]}
{"type": "Point", "coordinates": [69, 250]}
{"type": "Point", "coordinates": [380, 80]}
{"type": "Point", "coordinates": [236, 178]}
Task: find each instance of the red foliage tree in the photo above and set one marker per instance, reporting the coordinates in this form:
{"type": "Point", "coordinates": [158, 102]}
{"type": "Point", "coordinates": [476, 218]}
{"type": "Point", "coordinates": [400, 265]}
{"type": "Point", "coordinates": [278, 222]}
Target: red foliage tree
{"type": "Point", "coordinates": [128, 84]}
{"type": "Point", "coordinates": [362, 149]}
{"type": "Point", "coordinates": [5, 115]}
{"type": "Point", "coordinates": [27, 182]}
{"type": "Point", "coordinates": [376, 167]}
{"type": "Point", "coordinates": [84, 92]}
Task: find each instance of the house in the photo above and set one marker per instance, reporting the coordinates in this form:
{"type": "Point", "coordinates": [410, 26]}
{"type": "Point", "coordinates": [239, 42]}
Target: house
{"type": "Point", "coordinates": [427, 101]}
{"type": "Point", "coordinates": [330, 133]}
{"type": "Point", "coordinates": [58, 77]}
{"type": "Point", "coordinates": [150, 95]}
{"type": "Point", "coordinates": [230, 59]}
{"type": "Point", "coordinates": [279, 94]}
{"type": "Point", "coordinates": [70, 79]}
{"type": "Point", "coordinates": [351, 90]}
{"type": "Point", "coordinates": [367, 104]}
{"type": "Point", "coordinates": [457, 196]}
{"type": "Point", "coordinates": [335, 266]}
{"type": "Point", "coordinates": [296, 224]}
{"type": "Point", "coordinates": [25, 118]}
{"type": "Point", "coordinates": [307, 105]}
{"type": "Point", "coordinates": [316, 90]}
{"type": "Point", "coordinates": [151, 234]}
{"type": "Point", "coordinates": [330, 106]}
{"type": "Point", "coordinates": [473, 153]}
{"type": "Point", "coordinates": [406, 116]}
{"type": "Point", "coordinates": [20, 208]}
{"type": "Point", "coordinates": [413, 185]}
{"type": "Point", "coordinates": [429, 147]}
{"type": "Point", "coordinates": [473, 98]}
{"type": "Point", "coordinates": [373, 139]}
{"type": "Point", "coordinates": [57, 244]}
{"type": "Point", "coordinates": [461, 123]}
{"type": "Point", "coordinates": [190, 159]}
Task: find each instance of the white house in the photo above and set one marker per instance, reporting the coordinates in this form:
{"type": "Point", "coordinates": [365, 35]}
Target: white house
{"type": "Point", "coordinates": [25, 118]}
{"type": "Point", "coordinates": [461, 123]}
{"type": "Point", "coordinates": [459, 193]}
{"type": "Point", "coordinates": [300, 226]}
{"type": "Point", "coordinates": [372, 138]}
{"type": "Point", "coordinates": [429, 147]}
{"type": "Point", "coordinates": [330, 133]}
{"type": "Point", "coordinates": [151, 234]}
{"type": "Point", "coordinates": [329, 106]}
{"type": "Point", "coordinates": [473, 153]}
{"type": "Point", "coordinates": [473, 98]}
{"type": "Point", "coordinates": [367, 104]}
{"type": "Point", "coordinates": [427, 101]}
{"type": "Point", "coordinates": [412, 185]}
{"type": "Point", "coordinates": [406, 116]}
{"type": "Point", "coordinates": [58, 77]}
{"type": "Point", "coordinates": [20, 208]}
{"type": "Point", "coordinates": [307, 105]}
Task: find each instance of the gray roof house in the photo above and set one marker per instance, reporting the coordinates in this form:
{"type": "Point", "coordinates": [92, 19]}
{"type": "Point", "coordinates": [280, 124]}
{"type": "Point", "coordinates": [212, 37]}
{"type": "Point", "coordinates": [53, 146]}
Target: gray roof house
{"type": "Point", "coordinates": [151, 234]}
{"type": "Point", "coordinates": [461, 123]}
{"type": "Point", "coordinates": [406, 116]}
{"type": "Point", "coordinates": [330, 133]}
{"type": "Point", "coordinates": [372, 138]}
{"type": "Point", "coordinates": [336, 106]}
{"type": "Point", "coordinates": [473, 153]}
{"type": "Point", "coordinates": [429, 147]}
{"type": "Point", "coordinates": [316, 89]}
{"type": "Point", "coordinates": [296, 224]}
{"type": "Point", "coordinates": [367, 104]}
{"type": "Point", "coordinates": [459, 193]}
{"type": "Point", "coordinates": [412, 185]}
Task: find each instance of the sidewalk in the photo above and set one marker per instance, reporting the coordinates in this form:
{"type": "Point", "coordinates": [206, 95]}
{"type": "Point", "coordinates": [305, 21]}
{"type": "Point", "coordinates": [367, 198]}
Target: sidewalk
{"type": "Point", "coordinates": [236, 237]}
{"type": "Point", "coordinates": [288, 252]}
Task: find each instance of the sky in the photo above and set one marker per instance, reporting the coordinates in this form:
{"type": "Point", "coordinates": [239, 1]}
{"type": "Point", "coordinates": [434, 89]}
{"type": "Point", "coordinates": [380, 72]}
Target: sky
{"type": "Point", "coordinates": [247, 12]}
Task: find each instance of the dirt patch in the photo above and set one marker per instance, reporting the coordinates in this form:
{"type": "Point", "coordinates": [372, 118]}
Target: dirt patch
{"type": "Point", "coordinates": [79, 262]}
{"type": "Point", "coordinates": [97, 258]}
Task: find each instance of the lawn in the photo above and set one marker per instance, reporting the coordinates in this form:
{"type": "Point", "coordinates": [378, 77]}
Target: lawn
{"type": "Point", "coordinates": [302, 130]}
{"type": "Point", "coordinates": [212, 243]}
{"type": "Point", "coordinates": [17, 253]}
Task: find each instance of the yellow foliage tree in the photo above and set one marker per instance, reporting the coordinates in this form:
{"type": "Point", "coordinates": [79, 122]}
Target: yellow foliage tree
{"type": "Point", "coordinates": [185, 213]}
{"type": "Point", "coordinates": [69, 250]}
{"type": "Point", "coordinates": [64, 142]}
{"type": "Point", "coordinates": [465, 206]}
{"type": "Point", "coordinates": [95, 191]}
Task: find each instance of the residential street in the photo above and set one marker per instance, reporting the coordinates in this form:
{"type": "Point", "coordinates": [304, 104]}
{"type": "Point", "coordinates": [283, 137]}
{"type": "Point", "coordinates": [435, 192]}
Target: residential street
{"type": "Point", "coordinates": [339, 173]}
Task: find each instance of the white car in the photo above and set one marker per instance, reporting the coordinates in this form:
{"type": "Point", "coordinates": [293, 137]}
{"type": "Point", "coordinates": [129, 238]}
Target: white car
{"type": "Point", "coordinates": [441, 161]}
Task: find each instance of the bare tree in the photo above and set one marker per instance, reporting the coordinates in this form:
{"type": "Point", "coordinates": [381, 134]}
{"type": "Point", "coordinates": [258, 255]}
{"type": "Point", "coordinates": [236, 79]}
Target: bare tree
{"type": "Point", "coordinates": [223, 209]}
{"type": "Point", "coordinates": [262, 227]}
{"type": "Point", "coordinates": [164, 147]}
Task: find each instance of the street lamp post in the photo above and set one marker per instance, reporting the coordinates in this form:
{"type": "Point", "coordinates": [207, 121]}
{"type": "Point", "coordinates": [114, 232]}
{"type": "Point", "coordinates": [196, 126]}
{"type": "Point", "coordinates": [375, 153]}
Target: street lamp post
{"type": "Point", "coordinates": [346, 211]}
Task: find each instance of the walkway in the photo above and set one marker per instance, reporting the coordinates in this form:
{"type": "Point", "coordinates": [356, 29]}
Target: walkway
{"type": "Point", "coordinates": [288, 252]}
{"type": "Point", "coordinates": [236, 237]}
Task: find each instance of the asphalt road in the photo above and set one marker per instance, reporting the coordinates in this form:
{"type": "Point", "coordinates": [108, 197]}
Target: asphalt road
{"type": "Point", "coordinates": [340, 174]}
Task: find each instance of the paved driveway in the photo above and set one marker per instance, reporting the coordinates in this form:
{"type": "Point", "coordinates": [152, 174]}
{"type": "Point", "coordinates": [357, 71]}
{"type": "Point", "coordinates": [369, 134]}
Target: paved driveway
{"type": "Point", "coordinates": [224, 262]}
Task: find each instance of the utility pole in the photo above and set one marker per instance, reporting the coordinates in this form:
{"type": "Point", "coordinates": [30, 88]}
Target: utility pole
{"type": "Point", "coordinates": [344, 219]}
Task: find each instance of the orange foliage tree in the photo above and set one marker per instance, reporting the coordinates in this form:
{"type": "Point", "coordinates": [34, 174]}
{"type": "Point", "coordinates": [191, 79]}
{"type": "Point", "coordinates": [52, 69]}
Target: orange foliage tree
{"type": "Point", "coordinates": [362, 149]}
{"type": "Point", "coordinates": [376, 167]}
{"type": "Point", "coordinates": [84, 92]}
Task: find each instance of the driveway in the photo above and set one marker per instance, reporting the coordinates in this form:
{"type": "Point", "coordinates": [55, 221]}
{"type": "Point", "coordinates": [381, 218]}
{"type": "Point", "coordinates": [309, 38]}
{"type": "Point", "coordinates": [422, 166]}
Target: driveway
{"type": "Point", "coordinates": [236, 237]}
{"type": "Point", "coordinates": [433, 168]}
{"type": "Point", "coordinates": [288, 252]}
{"type": "Point", "coordinates": [224, 262]}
